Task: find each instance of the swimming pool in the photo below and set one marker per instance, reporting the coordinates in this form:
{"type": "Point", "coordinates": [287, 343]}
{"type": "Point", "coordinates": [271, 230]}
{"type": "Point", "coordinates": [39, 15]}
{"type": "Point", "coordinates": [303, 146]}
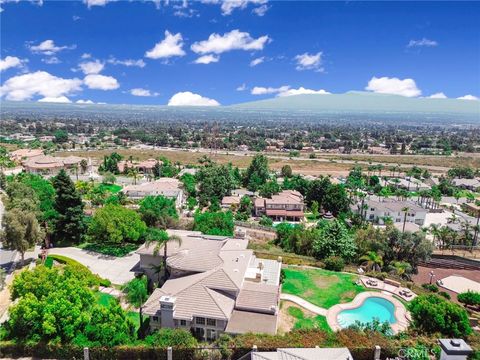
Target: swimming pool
{"type": "Point", "coordinates": [372, 307]}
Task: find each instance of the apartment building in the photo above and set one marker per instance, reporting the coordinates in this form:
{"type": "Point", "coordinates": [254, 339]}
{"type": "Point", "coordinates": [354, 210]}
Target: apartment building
{"type": "Point", "coordinates": [286, 205]}
{"type": "Point", "coordinates": [216, 286]}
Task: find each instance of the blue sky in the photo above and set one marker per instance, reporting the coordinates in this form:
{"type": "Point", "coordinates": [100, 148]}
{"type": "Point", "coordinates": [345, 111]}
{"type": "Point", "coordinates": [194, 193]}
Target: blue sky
{"type": "Point", "coordinates": [145, 52]}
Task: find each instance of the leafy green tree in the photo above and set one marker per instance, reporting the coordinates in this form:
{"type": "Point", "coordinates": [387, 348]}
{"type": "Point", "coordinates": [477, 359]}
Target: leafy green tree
{"type": "Point", "coordinates": [317, 191]}
{"type": "Point", "coordinates": [69, 223]}
{"type": "Point", "coordinates": [189, 184]}
{"type": "Point", "coordinates": [116, 224]}
{"type": "Point", "coordinates": [286, 171]}
{"type": "Point", "coordinates": [257, 173]}
{"type": "Point", "coordinates": [333, 239]}
{"type": "Point", "coordinates": [214, 182]}
{"type": "Point", "coordinates": [269, 189]}
{"type": "Point", "coordinates": [265, 221]}
{"type": "Point", "coordinates": [108, 178]}
{"type": "Point", "coordinates": [432, 314]}
{"type": "Point", "coordinates": [21, 230]}
{"type": "Point", "coordinates": [314, 208]}
{"type": "Point", "coordinates": [110, 163]}
{"type": "Point", "coordinates": [372, 260]}
{"type": "Point", "coordinates": [245, 209]}
{"type": "Point", "coordinates": [336, 200]}
{"type": "Point", "coordinates": [61, 136]}
{"type": "Point", "coordinates": [297, 182]}
{"type": "Point", "coordinates": [136, 291]}
{"type": "Point", "coordinates": [158, 211]}
{"type": "Point", "coordinates": [214, 223]}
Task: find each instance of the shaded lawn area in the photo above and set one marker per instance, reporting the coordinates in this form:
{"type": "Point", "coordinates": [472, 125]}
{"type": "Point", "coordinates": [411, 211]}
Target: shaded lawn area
{"type": "Point", "coordinates": [117, 250]}
{"type": "Point", "coordinates": [308, 322]}
{"type": "Point", "coordinates": [321, 287]}
{"type": "Point", "coordinates": [104, 299]}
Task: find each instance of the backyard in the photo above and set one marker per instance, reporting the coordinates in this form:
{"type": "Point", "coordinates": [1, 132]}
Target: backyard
{"type": "Point", "coordinates": [321, 287]}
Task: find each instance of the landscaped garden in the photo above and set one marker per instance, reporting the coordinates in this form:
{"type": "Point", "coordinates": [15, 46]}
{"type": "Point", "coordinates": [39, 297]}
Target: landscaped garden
{"type": "Point", "coordinates": [321, 287]}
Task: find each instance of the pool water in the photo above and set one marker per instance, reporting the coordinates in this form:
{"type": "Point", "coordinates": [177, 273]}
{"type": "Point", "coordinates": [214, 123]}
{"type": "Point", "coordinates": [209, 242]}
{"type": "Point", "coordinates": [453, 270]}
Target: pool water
{"type": "Point", "coordinates": [372, 308]}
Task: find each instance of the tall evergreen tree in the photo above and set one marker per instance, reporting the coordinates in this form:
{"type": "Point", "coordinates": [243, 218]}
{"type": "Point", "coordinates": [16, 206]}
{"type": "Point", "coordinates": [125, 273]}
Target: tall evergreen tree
{"type": "Point", "coordinates": [70, 224]}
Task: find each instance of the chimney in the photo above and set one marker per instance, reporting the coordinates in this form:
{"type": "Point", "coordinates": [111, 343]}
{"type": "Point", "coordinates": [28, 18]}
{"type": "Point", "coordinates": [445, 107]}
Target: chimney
{"type": "Point", "coordinates": [167, 309]}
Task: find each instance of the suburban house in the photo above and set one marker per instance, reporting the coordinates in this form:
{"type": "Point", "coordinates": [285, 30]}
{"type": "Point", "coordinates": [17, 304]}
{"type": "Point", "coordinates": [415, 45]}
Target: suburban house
{"type": "Point", "coordinates": [216, 286]}
{"type": "Point", "coordinates": [377, 211]}
{"type": "Point", "coordinates": [145, 167]}
{"type": "Point", "coordinates": [229, 202]}
{"type": "Point", "coordinates": [25, 154]}
{"type": "Point", "coordinates": [286, 205]}
{"type": "Point", "coordinates": [168, 187]}
{"type": "Point", "coordinates": [468, 184]}
{"type": "Point", "coordinates": [411, 185]}
{"type": "Point", "coordinates": [49, 165]}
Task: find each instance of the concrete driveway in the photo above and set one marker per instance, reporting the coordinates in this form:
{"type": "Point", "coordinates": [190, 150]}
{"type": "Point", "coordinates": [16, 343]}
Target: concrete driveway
{"type": "Point", "coordinates": [115, 269]}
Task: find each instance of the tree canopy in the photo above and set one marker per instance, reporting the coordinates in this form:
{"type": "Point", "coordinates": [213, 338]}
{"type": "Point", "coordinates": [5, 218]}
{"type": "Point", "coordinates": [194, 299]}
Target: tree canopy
{"type": "Point", "coordinates": [257, 173]}
{"type": "Point", "coordinates": [158, 211]}
{"type": "Point", "coordinates": [214, 223]}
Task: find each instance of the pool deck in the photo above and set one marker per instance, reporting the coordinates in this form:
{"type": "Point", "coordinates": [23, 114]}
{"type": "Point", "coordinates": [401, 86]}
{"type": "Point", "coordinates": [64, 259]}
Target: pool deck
{"type": "Point", "coordinates": [401, 314]}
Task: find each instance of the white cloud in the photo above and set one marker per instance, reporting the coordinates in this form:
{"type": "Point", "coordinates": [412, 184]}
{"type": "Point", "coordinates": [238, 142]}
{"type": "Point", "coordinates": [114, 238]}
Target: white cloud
{"type": "Point", "coordinates": [308, 61]}
{"type": "Point", "coordinates": [91, 3]}
{"type": "Point", "coordinates": [101, 82]}
{"type": "Point", "coordinates": [301, 91]}
{"type": "Point", "coordinates": [468, 97]}
{"type": "Point", "coordinates": [422, 43]}
{"type": "Point", "coordinates": [142, 92]}
{"type": "Point", "coordinates": [439, 95]}
{"type": "Point", "coordinates": [91, 67]}
{"type": "Point", "coordinates": [84, 101]}
{"type": "Point", "coordinates": [257, 61]}
{"type": "Point", "coordinates": [168, 47]}
{"type": "Point", "coordinates": [395, 86]}
{"type": "Point", "coordinates": [48, 47]}
{"type": "Point", "coordinates": [233, 40]}
{"type": "Point", "coordinates": [86, 56]}
{"type": "Point", "coordinates": [228, 6]}
{"type": "Point", "coordinates": [188, 98]}
{"type": "Point", "coordinates": [11, 62]}
{"type": "Point", "coordinates": [242, 87]}
{"type": "Point", "coordinates": [51, 60]}
{"type": "Point", "coordinates": [207, 59]}
{"type": "Point", "coordinates": [128, 62]}
{"type": "Point", "coordinates": [60, 99]}
{"type": "Point", "coordinates": [260, 90]}
{"type": "Point", "coordinates": [285, 90]}
{"type": "Point", "coordinates": [261, 10]}
{"type": "Point", "coordinates": [24, 87]}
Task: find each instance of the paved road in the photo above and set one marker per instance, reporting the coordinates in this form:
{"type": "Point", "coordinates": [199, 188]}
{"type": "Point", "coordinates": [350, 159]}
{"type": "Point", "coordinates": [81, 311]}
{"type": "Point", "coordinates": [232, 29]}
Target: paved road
{"type": "Point", "coordinates": [305, 304]}
{"type": "Point", "coordinates": [117, 270]}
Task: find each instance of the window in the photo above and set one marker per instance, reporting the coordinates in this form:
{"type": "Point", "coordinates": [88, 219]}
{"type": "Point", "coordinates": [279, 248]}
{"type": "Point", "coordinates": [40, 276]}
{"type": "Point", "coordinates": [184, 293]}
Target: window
{"type": "Point", "coordinates": [200, 320]}
{"type": "Point", "coordinates": [211, 322]}
{"type": "Point", "coordinates": [183, 322]}
{"type": "Point", "coordinates": [155, 318]}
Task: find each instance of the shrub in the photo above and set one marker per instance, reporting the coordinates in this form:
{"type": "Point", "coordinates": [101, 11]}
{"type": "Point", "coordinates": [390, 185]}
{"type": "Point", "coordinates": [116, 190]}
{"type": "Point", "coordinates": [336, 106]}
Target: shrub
{"type": "Point", "coordinates": [469, 298]}
{"type": "Point", "coordinates": [265, 221]}
{"type": "Point", "coordinates": [430, 287]}
{"type": "Point", "coordinates": [444, 294]}
{"type": "Point", "coordinates": [334, 263]}
{"type": "Point", "coordinates": [81, 270]}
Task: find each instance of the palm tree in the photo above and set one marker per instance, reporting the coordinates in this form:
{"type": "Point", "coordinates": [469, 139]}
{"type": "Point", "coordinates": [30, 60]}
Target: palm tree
{"type": "Point", "coordinates": [372, 261]}
{"type": "Point", "coordinates": [157, 270]}
{"type": "Point", "coordinates": [83, 166]}
{"type": "Point", "coordinates": [405, 210]}
{"type": "Point", "coordinates": [402, 268]}
{"type": "Point", "coordinates": [136, 292]}
{"type": "Point", "coordinates": [133, 172]}
{"type": "Point", "coordinates": [160, 238]}
{"type": "Point", "coordinates": [434, 230]}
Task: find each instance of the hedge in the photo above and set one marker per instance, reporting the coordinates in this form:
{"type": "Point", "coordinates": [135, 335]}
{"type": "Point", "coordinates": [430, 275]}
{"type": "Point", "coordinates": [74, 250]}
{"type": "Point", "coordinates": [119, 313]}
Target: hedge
{"type": "Point", "coordinates": [68, 261]}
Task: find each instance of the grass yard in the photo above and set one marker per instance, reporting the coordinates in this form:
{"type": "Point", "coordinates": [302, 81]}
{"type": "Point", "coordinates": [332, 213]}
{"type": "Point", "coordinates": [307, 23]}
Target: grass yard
{"type": "Point", "coordinates": [113, 188]}
{"type": "Point", "coordinates": [104, 299]}
{"type": "Point", "coordinates": [321, 287]}
{"type": "Point", "coordinates": [308, 322]}
{"type": "Point", "coordinates": [116, 250]}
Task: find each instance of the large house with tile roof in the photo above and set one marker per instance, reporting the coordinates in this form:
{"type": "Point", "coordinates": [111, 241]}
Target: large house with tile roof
{"type": "Point", "coordinates": [168, 187]}
{"type": "Point", "coordinates": [286, 205]}
{"type": "Point", "coordinates": [216, 286]}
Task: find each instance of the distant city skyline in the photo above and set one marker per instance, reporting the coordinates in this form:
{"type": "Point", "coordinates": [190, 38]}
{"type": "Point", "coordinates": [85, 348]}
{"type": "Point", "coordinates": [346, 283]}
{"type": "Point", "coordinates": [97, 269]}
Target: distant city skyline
{"type": "Point", "coordinates": [213, 52]}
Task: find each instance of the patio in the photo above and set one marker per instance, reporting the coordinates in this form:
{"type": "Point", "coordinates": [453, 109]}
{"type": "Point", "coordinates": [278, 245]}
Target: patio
{"type": "Point", "coordinates": [389, 286]}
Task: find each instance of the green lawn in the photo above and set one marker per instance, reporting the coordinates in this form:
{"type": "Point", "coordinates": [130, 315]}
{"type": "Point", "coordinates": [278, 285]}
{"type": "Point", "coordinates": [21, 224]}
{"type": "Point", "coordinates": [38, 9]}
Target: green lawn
{"type": "Point", "coordinates": [104, 299]}
{"type": "Point", "coordinates": [321, 287]}
{"type": "Point", "coordinates": [113, 188]}
{"type": "Point", "coordinates": [307, 323]}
